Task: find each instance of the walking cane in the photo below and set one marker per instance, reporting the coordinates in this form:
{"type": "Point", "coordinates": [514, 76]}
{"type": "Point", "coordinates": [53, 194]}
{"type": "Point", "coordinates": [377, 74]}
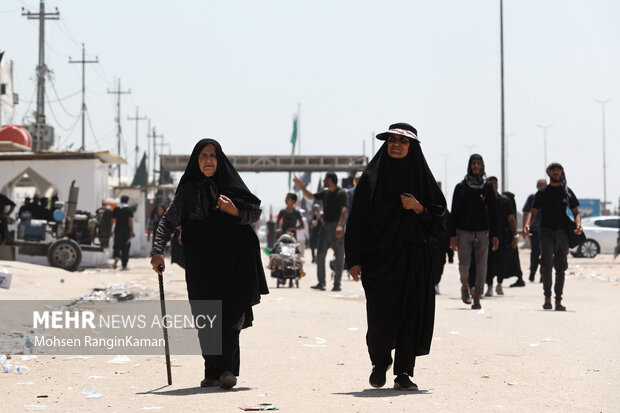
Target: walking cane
{"type": "Point", "coordinates": [163, 315]}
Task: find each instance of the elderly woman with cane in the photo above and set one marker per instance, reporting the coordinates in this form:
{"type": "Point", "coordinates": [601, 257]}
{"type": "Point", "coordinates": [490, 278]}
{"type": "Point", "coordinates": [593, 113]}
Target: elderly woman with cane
{"type": "Point", "coordinates": [215, 209]}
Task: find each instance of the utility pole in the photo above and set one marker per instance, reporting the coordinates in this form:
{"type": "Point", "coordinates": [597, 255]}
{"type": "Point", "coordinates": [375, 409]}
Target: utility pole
{"type": "Point", "coordinates": [501, 52]}
{"type": "Point", "coordinates": [544, 128]}
{"type": "Point", "coordinates": [118, 92]}
{"type": "Point", "coordinates": [155, 136]}
{"type": "Point", "coordinates": [40, 128]}
{"type": "Point", "coordinates": [603, 103]}
{"type": "Point", "coordinates": [83, 62]}
{"type": "Point", "coordinates": [137, 119]}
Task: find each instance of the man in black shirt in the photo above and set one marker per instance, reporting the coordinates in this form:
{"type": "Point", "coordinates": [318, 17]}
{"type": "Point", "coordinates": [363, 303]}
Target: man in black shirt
{"type": "Point", "coordinates": [553, 200]}
{"type": "Point", "coordinates": [289, 217]}
{"type": "Point", "coordinates": [472, 220]}
{"type": "Point", "coordinates": [335, 206]}
{"type": "Point", "coordinates": [534, 241]}
{"type": "Point", "coordinates": [6, 209]}
{"type": "Point", "coordinates": [123, 232]}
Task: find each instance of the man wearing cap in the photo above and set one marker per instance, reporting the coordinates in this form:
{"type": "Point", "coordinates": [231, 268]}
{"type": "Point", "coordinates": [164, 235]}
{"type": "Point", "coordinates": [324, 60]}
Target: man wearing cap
{"type": "Point", "coordinates": [397, 207]}
{"type": "Point", "coordinates": [553, 200]}
{"type": "Point", "coordinates": [473, 220]}
{"type": "Point", "coordinates": [335, 205]}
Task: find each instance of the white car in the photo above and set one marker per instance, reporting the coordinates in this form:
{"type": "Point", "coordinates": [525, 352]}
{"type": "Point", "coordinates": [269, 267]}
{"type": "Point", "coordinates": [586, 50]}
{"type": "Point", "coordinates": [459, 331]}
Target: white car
{"type": "Point", "coordinates": [601, 236]}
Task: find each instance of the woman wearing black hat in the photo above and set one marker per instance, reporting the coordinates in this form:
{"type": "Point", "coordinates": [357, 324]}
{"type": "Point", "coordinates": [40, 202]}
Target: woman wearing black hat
{"type": "Point", "coordinates": [222, 253]}
{"type": "Point", "coordinates": [397, 205]}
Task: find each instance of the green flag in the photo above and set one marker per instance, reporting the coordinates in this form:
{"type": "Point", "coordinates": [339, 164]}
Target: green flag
{"type": "Point", "coordinates": [293, 142]}
{"type": "Point", "coordinates": [294, 136]}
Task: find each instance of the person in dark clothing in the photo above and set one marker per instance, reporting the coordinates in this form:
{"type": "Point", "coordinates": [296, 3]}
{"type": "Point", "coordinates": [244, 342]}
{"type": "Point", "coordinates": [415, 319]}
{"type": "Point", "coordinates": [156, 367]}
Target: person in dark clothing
{"type": "Point", "coordinates": [397, 206]}
{"type": "Point", "coordinates": [156, 215]}
{"type": "Point", "coordinates": [289, 217]}
{"type": "Point", "coordinates": [534, 229]}
{"type": "Point", "coordinates": [222, 252]}
{"type": "Point", "coordinates": [513, 262]}
{"type": "Point", "coordinates": [123, 232]}
{"type": "Point", "coordinates": [24, 208]}
{"type": "Point", "coordinates": [500, 262]}
{"type": "Point", "coordinates": [553, 200]}
{"type": "Point", "coordinates": [6, 209]}
{"type": "Point", "coordinates": [335, 206]}
{"type": "Point", "coordinates": [473, 220]}
{"type": "Point", "coordinates": [271, 232]}
{"type": "Point", "coordinates": [316, 222]}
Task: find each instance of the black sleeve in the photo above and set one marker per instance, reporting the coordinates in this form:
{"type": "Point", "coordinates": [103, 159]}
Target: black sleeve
{"type": "Point", "coordinates": [167, 224]}
{"type": "Point", "coordinates": [572, 199]}
{"type": "Point", "coordinates": [343, 200]}
{"type": "Point", "coordinates": [355, 232]}
{"type": "Point", "coordinates": [455, 211]}
{"type": "Point", "coordinates": [249, 214]}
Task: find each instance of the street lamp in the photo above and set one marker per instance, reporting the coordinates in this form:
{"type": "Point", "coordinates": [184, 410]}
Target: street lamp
{"type": "Point", "coordinates": [544, 128]}
{"type": "Point", "coordinates": [603, 103]}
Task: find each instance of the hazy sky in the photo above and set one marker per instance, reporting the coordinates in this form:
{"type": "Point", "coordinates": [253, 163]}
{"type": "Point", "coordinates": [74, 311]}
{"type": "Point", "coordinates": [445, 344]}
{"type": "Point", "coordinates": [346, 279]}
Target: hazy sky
{"type": "Point", "coordinates": [236, 70]}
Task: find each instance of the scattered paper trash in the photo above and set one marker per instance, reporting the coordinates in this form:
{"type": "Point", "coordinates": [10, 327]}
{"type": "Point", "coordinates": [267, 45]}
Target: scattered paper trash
{"type": "Point", "coordinates": [259, 407]}
{"type": "Point", "coordinates": [485, 376]}
{"type": "Point", "coordinates": [35, 407]}
{"type": "Point", "coordinates": [453, 333]}
{"type": "Point", "coordinates": [512, 383]}
{"type": "Point", "coordinates": [534, 345]}
{"type": "Point", "coordinates": [95, 395]}
{"type": "Point", "coordinates": [87, 389]}
{"type": "Point", "coordinates": [119, 360]}
{"type": "Point", "coordinates": [26, 383]}
{"type": "Point", "coordinates": [29, 357]}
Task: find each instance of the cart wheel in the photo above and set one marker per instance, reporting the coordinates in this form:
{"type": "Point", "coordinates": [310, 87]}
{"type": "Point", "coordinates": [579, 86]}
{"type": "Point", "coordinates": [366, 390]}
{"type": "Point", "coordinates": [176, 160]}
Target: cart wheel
{"type": "Point", "coordinates": [65, 254]}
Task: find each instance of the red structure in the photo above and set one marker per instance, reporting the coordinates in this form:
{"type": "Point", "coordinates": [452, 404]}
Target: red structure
{"type": "Point", "coordinates": [15, 137]}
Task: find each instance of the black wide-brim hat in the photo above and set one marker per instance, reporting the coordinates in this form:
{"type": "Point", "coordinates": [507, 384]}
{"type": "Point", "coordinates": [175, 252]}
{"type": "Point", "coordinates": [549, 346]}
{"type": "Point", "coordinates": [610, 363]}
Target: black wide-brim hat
{"type": "Point", "coordinates": [401, 128]}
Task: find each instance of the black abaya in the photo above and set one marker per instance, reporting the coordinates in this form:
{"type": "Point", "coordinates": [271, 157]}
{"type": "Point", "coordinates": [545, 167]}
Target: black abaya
{"type": "Point", "coordinates": [389, 243]}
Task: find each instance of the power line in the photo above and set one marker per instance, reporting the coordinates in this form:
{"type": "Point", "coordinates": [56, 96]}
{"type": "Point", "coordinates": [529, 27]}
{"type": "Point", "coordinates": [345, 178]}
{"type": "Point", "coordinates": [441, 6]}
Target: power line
{"type": "Point", "coordinates": [59, 101]}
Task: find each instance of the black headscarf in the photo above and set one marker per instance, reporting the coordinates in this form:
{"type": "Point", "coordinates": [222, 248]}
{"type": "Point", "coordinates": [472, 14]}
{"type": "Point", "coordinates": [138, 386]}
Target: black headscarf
{"type": "Point", "coordinates": [389, 178]}
{"type": "Point", "coordinates": [472, 180]}
{"type": "Point", "coordinates": [226, 181]}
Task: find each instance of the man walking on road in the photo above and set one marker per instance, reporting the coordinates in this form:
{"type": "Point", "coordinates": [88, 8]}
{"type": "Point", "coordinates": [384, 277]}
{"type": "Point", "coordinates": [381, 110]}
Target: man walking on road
{"type": "Point", "coordinates": [473, 219]}
{"type": "Point", "coordinates": [534, 229]}
{"type": "Point", "coordinates": [335, 206]}
{"type": "Point", "coordinates": [553, 200]}
{"type": "Point", "coordinates": [123, 232]}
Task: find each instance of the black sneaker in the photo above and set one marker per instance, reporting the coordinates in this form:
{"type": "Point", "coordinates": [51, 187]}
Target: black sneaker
{"type": "Point", "coordinates": [208, 382]}
{"type": "Point", "coordinates": [547, 305]}
{"type": "Point", "coordinates": [227, 380]}
{"type": "Point", "coordinates": [403, 382]}
{"type": "Point", "coordinates": [336, 289]}
{"type": "Point", "coordinates": [318, 287]}
{"type": "Point", "coordinates": [518, 283]}
{"type": "Point", "coordinates": [476, 305]}
{"type": "Point", "coordinates": [559, 306]}
{"type": "Point", "coordinates": [377, 377]}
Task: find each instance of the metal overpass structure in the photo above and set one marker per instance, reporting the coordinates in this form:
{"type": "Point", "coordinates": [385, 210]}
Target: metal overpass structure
{"type": "Point", "coordinates": [277, 163]}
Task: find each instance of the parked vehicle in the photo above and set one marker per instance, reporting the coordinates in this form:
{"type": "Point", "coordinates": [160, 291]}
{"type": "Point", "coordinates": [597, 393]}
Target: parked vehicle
{"type": "Point", "coordinates": [601, 236]}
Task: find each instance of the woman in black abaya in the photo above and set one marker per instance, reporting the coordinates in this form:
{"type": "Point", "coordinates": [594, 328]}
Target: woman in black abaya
{"type": "Point", "coordinates": [222, 253]}
{"type": "Point", "coordinates": [396, 207]}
